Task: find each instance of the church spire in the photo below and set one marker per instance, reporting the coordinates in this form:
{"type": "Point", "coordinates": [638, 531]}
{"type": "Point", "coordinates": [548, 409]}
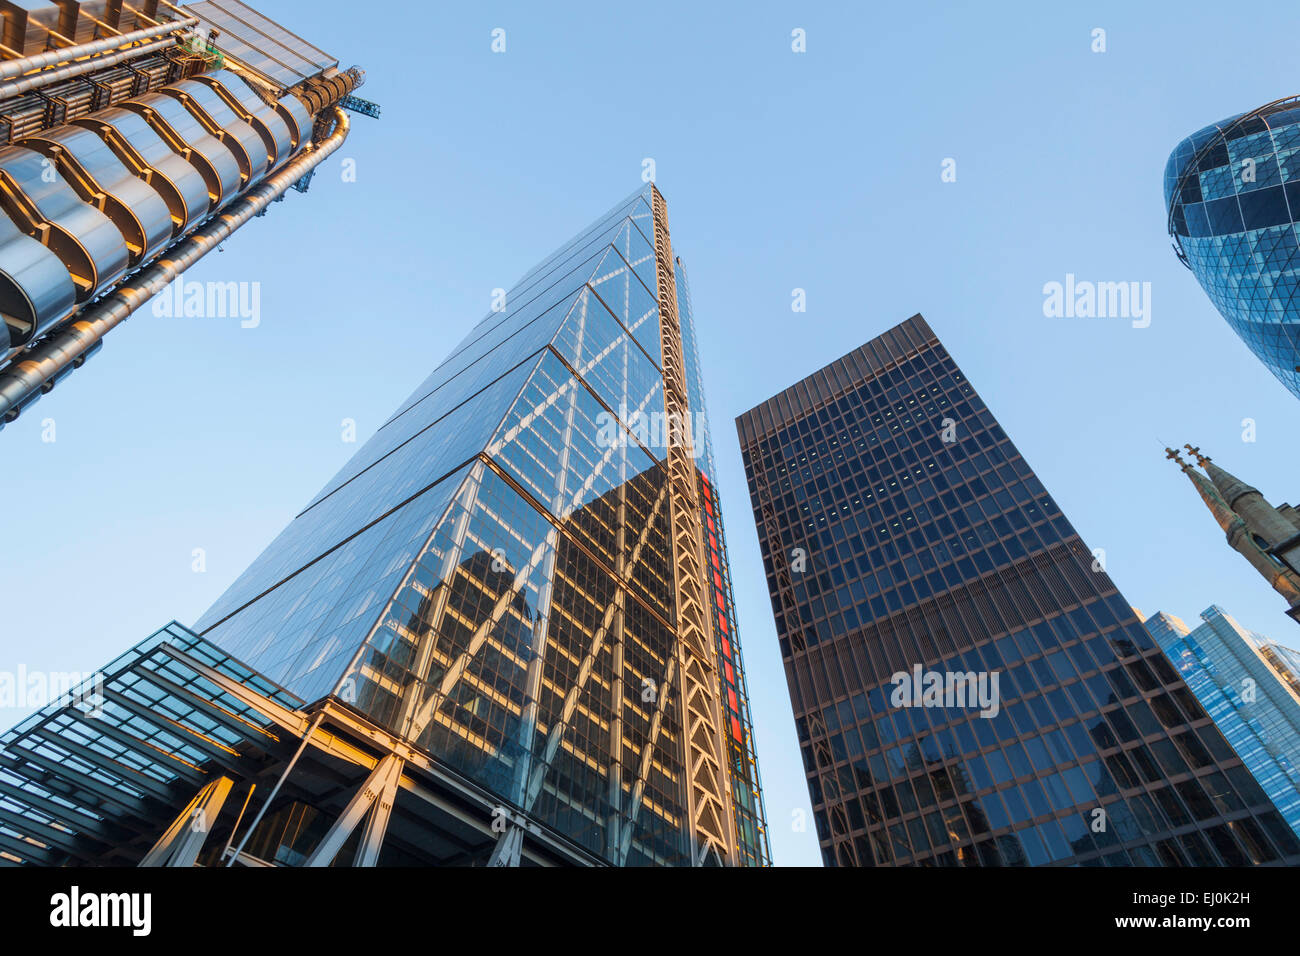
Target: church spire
{"type": "Point", "coordinates": [1224, 515]}
{"type": "Point", "coordinates": [1230, 487]}
{"type": "Point", "coordinates": [1265, 536]}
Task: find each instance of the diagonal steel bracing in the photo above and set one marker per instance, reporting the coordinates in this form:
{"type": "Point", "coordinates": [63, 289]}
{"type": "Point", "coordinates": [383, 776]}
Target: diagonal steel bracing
{"type": "Point", "coordinates": [708, 791]}
{"type": "Point", "coordinates": [374, 796]}
{"type": "Point", "coordinates": [182, 841]}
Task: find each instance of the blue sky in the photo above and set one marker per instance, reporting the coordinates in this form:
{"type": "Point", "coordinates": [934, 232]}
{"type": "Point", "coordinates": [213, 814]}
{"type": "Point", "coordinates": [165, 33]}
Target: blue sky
{"type": "Point", "coordinates": [818, 171]}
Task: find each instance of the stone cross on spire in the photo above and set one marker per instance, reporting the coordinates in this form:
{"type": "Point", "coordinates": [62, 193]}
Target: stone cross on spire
{"type": "Point", "coordinates": [1267, 537]}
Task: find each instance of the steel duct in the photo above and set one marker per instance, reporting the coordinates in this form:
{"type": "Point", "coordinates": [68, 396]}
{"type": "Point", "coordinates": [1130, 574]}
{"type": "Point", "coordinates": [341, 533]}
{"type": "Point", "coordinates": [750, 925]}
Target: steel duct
{"type": "Point", "coordinates": [322, 92]}
{"type": "Point", "coordinates": [10, 68]}
{"type": "Point", "coordinates": [25, 83]}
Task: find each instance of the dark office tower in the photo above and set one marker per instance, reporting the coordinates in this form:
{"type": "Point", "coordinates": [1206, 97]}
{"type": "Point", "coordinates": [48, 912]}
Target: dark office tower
{"type": "Point", "coordinates": [1233, 199]}
{"type": "Point", "coordinates": [969, 687]}
{"type": "Point", "coordinates": [511, 608]}
{"type": "Point", "coordinates": [134, 140]}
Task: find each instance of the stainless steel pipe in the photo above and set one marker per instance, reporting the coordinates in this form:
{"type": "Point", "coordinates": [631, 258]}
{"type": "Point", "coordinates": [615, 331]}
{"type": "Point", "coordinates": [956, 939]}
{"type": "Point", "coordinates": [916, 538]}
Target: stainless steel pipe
{"type": "Point", "coordinates": [10, 68]}
{"type": "Point", "coordinates": [25, 83]}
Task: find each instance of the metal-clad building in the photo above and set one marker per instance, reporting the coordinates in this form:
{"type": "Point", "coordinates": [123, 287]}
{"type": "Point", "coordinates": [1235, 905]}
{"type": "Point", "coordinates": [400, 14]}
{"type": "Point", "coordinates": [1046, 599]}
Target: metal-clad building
{"type": "Point", "coordinates": [133, 141]}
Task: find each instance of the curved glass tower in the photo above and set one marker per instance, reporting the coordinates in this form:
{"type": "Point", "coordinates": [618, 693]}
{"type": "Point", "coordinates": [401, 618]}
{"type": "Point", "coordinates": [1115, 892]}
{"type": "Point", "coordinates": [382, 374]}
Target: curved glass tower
{"type": "Point", "coordinates": [1232, 191]}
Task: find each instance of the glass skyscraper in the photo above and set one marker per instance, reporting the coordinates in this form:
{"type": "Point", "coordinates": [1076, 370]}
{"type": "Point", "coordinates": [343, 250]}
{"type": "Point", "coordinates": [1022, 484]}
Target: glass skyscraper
{"type": "Point", "coordinates": [1232, 192]}
{"type": "Point", "coordinates": [1225, 667]}
{"type": "Point", "coordinates": [520, 585]}
{"type": "Point", "coordinates": [968, 685]}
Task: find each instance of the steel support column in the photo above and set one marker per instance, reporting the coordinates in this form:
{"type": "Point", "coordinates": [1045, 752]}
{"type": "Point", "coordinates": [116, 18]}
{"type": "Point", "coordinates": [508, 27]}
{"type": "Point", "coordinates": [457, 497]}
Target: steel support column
{"type": "Point", "coordinates": [372, 837]}
{"type": "Point", "coordinates": [385, 775]}
{"type": "Point", "coordinates": [508, 849]}
{"type": "Point", "coordinates": [181, 843]}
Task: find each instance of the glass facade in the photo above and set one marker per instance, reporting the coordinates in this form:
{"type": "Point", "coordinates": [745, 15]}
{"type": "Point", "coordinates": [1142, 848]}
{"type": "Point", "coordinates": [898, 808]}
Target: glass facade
{"type": "Point", "coordinates": [1232, 191]}
{"type": "Point", "coordinates": [1285, 664]}
{"type": "Point", "coordinates": [1237, 687]}
{"type": "Point", "coordinates": [492, 576]}
{"type": "Point", "coordinates": [904, 536]}
{"type": "Point", "coordinates": [93, 778]}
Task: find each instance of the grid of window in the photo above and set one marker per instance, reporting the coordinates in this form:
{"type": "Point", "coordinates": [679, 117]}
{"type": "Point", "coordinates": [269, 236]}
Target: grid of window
{"type": "Point", "coordinates": [901, 529]}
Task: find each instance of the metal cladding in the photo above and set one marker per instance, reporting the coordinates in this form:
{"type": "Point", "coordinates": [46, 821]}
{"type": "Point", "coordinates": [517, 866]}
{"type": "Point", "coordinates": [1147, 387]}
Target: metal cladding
{"type": "Point", "coordinates": [35, 288]}
{"type": "Point", "coordinates": [712, 826]}
{"type": "Point", "coordinates": [73, 342]}
{"type": "Point", "coordinates": [29, 23]}
{"type": "Point", "coordinates": [220, 120]}
{"type": "Point", "coordinates": [291, 110]}
{"type": "Point", "coordinates": [121, 136]}
{"type": "Point", "coordinates": [100, 178]}
{"type": "Point", "coordinates": [275, 130]}
{"type": "Point", "coordinates": [176, 179]}
{"type": "Point", "coordinates": [177, 126]}
{"type": "Point", "coordinates": [28, 26]}
{"type": "Point", "coordinates": [78, 233]}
